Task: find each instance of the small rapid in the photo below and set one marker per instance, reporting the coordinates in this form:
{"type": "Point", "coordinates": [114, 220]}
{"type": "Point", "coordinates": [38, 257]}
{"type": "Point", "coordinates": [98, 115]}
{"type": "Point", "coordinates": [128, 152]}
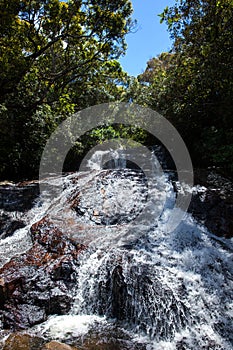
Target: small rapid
{"type": "Point", "coordinates": [158, 289]}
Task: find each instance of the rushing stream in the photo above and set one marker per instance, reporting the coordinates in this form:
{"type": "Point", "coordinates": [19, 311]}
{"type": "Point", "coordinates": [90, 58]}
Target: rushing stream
{"type": "Point", "coordinates": [135, 281]}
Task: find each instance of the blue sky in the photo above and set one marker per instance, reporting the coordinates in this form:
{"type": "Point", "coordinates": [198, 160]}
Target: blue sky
{"type": "Point", "coordinates": [151, 37]}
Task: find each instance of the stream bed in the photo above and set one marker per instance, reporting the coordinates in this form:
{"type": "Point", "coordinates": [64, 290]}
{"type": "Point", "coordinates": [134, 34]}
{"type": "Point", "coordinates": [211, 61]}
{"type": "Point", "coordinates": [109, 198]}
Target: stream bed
{"type": "Point", "coordinates": [87, 267]}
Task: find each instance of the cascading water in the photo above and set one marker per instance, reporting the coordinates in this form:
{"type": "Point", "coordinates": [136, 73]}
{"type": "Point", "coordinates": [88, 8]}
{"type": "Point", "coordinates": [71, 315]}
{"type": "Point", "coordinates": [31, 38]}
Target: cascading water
{"type": "Point", "coordinates": [166, 290]}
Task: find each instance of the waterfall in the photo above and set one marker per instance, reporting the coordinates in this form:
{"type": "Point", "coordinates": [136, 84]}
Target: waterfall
{"type": "Point", "coordinates": [168, 290]}
{"type": "Point", "coordinates": [110, 159]}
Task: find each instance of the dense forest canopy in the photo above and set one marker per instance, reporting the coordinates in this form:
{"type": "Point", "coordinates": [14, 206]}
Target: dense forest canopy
{"type": "Point", "coordinates": [193, 84]}
{"type": "Point", "coordinates": [58, 57]}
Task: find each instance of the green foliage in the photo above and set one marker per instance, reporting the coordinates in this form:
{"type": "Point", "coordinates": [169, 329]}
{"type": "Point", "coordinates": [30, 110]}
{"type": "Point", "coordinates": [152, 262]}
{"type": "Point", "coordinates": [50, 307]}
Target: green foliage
{"type": "Point", "coordinates": [98, 136]}
{"type": "Point", "coordinates": [59, 41]}
{"type": "Point", "coordinates": [56, 57]}
{"type": "Point", "coordinates": [193, 85]}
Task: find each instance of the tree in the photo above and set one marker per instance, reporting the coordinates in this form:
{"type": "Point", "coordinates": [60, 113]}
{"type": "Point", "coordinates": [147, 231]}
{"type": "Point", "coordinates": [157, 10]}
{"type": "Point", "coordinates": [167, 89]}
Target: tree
{"type": "Point", "coordinates": [195, 88]}
{"type": "Point", "coordinates": [56, 57]}
{"type": "Point", "coordinates": [61, 40]}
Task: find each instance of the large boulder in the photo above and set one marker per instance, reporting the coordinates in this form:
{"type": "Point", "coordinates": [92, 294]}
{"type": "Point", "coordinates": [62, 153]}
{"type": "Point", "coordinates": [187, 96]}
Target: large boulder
{"type": "Point", "coordinates": [54, 345]}
{"type": "Point", "coordinates": [20, 341]}
{"type": "Point", "coordinates": [38, 283]}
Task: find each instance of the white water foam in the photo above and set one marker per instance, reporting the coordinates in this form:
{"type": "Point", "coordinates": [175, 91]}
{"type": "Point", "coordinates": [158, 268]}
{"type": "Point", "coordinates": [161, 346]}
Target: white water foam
{"type": "Point", "coordinates": [179, 284]}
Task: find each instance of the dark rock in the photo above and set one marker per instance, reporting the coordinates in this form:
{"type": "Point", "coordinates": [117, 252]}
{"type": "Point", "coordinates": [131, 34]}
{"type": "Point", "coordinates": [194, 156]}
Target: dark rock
{"type": "Point", "coordinates": [164, 157]}
{"type": "Point", "coordinates": [8, 225]}
{"type": "Point", "coordinates": [60, 302]}
{"type": "Point", "coordinates": [64, 272]}
{"type": "Point", "coordinates": [19, 197]}
{"type": "Point", "coordinates": [213, 206]}
{"type": "Point", "coordinates": [119, 293]}
{"type": "Point", "coordinates": [38, 283]}
{"type": "Point", "coordinates": [108, 338]}
{"type": "Point", "coordinates": [23, 315]}
{"type": "Point", "coordinates": [125, 293]}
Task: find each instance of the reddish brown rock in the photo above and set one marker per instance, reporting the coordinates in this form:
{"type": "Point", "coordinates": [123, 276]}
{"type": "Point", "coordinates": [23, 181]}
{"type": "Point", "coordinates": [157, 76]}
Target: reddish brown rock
{"type": "Point", "coordinates": [38, 283]}
{"type": "Point", "coordinates": [19, 341]}
{"type": "Point", "coordinates": [54, 345]}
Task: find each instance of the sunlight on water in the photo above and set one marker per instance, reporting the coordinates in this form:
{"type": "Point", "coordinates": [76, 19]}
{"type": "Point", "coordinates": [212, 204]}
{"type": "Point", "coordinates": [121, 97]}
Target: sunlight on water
{"type": "Point", "coordinates": [69, 326]}
{"type": "Point", "coordinates": [169, 290]}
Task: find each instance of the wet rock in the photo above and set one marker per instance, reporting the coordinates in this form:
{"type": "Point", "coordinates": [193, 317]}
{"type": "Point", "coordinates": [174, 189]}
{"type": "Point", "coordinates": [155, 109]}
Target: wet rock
{"type": "Point", "coordinates": [8, 225]}
{"type": "Point", "coordinates": [20, 197]}
{"type": "Point", "coordinates": [54, 345]}
{"type": "Point", "coordinates": [113, 197]}
{"type": "Point", "coordinates": [109, 338]}
{"type": "Point", "coordinates": [15, 201]}
{"type": "Point", "coordinates": [135, 296]}
{"type": "Point", "coordinates": [60, 302]}
{"type": "Point", "coordinates": [23, 315]}
{"type": "Point", "coordinates": [112, 344]}
{"type": "Point", "coordinates": [20, 341]}
{"type": "Point", "coordinates": [119, 293]}
{"type": "Point", "coordinates": [38, 283]}
{"type": "Point", "coordinates": [212, 203]}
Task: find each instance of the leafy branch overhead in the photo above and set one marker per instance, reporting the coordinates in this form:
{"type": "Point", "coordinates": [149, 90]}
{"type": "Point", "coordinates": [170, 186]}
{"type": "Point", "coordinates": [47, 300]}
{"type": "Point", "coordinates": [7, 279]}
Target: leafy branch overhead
{"type": "Point", "coordinates": [56, 57]}
{"type": "Point", "coordinates": [59, 40]}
